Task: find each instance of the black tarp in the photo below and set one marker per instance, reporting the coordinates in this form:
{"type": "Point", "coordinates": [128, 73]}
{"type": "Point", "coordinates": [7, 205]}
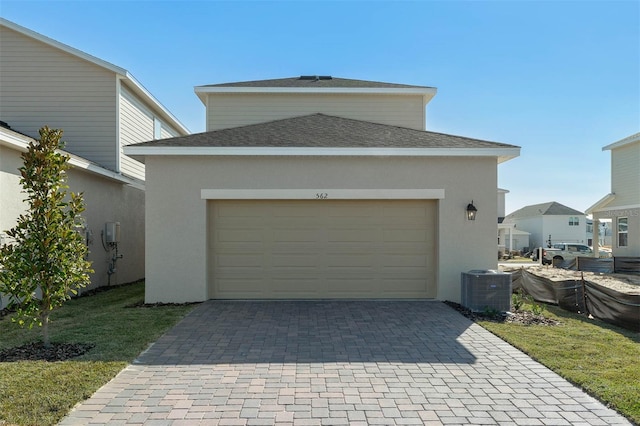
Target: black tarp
{"type": "Point", "coordinates": [625, 265]}
{"type": "Point", "coordinates": [614, 307]}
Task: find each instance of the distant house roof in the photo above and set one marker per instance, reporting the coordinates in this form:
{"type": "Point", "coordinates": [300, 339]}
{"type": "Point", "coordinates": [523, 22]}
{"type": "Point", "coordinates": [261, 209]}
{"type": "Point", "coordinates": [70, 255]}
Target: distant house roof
{"type": "Point", "coordinates": [316, 84]}
{"type": "Point", "coordinates": [320, 134]}
{"type": "Point", "coordinates": [545, 209]}
{"type": "Point", "coordinates": [131, 82]}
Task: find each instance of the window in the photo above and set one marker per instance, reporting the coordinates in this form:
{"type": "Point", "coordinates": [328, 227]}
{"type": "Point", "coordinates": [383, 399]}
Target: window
{"type": "Point", "coordinates": [157, 128]}
{"type": "Point", "coordinates": [574, 221]}
{"type": "Point", "coordinates": [623, 231]}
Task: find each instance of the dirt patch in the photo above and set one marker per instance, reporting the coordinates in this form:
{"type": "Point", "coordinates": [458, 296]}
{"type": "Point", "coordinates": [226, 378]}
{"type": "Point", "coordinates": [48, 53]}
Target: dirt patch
{"type": "Point", "coordinates": [38, 352]}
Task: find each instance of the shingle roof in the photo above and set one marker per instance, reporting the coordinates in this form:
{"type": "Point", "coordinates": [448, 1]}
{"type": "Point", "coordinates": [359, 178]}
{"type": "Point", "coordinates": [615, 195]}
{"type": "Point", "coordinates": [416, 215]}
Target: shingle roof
{"type": "Point", "coordinates": [317, 81]}
{"type": "Point", "coordinates": [319, 130]}
{"type": "Point", "coordinates": [551, 208]}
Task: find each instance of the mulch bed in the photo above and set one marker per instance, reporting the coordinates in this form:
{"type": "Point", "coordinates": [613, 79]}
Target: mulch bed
{"type": "Point", "coordinates": [519, 317]}
{"type": "Point", "coordinates": [38, 352]}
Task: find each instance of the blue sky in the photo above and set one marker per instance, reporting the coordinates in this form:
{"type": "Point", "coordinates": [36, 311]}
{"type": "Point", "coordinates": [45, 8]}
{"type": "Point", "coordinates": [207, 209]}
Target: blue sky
{"type": "Point", "coordinates": [561, 79]}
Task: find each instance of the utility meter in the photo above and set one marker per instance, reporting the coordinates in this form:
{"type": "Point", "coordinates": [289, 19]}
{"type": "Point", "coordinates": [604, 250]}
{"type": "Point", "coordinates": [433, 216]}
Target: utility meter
{"type": "Point", "coordinates": [112, 232]}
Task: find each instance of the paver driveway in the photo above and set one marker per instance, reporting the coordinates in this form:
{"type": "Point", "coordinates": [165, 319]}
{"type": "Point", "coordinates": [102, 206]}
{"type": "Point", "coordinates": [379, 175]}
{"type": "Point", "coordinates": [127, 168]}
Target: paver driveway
{"type": "Point", "coordinates": [332, 363]}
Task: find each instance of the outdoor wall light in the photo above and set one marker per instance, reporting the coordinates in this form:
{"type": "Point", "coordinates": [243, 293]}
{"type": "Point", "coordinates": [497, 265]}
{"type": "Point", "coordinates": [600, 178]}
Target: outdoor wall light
{"type": "Point", "coordinates": [471, 211]}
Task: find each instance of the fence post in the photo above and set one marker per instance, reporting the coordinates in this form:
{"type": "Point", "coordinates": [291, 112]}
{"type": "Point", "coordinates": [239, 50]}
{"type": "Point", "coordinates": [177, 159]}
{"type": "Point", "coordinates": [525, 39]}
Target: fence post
{"type": "Point", "coordinates": [584, 294]}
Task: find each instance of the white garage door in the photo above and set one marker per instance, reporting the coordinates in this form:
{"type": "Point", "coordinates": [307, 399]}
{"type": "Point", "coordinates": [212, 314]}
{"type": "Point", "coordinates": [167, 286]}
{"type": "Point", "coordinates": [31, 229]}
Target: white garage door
{"type": "Point", "coordinates": [321, 249]}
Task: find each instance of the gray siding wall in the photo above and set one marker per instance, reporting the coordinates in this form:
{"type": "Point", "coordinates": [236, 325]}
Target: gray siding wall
{"type": "Point", "coordinates": [225, 111]}
{"type": "Point", "coordinates": [625, 175]}
{"type": "Point", "coordinates": [41, 85]}
{"type": "Point", "coordinates": [136, 125]}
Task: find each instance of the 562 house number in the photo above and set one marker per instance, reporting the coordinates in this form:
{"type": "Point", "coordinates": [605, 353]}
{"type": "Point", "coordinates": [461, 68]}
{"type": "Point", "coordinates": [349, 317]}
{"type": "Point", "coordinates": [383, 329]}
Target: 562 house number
{"type": "Point", "coordinates": [322, 196]}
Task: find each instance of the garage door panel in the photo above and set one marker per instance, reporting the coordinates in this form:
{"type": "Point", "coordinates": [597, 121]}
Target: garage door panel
{"type": "Point", "coordinates": [237, 210]}
{"type": "Point", "coordinates": [348, 260]}
{"type": "Point", "coordinates": [404, 261]}
{"type": "Point", "coordinates": [240, 235]}
{"type": "Point", "coordinates": [294, 210]}
{"type": "Point", "coordinates": [284, 286]}
{"type": "Point", "coordinates": [321, 249]}
{"type": "Point", "coordinates": [404, 235]}
{"type": "Point", "coordinates": [293, 260]}
{"type": "Point", "coordinates": [240, 260]}
{"type": "Point", "coordinates": [350, 235]}
{"type": "Point", "coordinates": [350, 287]}
{"type": "Point", "coordinates": [295, 235]}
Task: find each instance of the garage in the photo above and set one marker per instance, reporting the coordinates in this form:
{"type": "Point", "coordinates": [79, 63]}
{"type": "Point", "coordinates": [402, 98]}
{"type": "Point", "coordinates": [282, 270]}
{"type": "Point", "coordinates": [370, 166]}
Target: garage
{"type": "Point", "coordinates": [310, 249]}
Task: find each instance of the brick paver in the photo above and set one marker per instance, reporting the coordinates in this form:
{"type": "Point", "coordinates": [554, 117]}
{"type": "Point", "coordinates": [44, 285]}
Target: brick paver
{"type": "Point", "coordinates": [336, 363]}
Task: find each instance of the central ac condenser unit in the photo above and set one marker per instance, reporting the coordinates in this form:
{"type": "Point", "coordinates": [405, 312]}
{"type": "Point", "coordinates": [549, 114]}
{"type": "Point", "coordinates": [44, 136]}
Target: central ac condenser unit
{"type": "Point", "coordinates": [486, 290]}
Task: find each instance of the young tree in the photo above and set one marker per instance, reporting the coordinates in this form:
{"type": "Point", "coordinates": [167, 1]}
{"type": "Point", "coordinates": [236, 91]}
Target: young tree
{"type": "Point", "coordinates": [45, 263]}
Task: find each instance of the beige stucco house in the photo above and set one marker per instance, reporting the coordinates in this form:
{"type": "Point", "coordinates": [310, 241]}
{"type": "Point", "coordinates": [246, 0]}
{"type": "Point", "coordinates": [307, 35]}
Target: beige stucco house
{"type": "Point", "coordinates": [101, 108]}
{"type": "Point", "coordinates": [317, 187]}
{"type": "Point", "coordinates": [622, 205]}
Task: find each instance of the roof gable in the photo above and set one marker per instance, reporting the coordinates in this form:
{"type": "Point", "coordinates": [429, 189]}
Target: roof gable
{"type": "Point", "coordinates": [545, 209]}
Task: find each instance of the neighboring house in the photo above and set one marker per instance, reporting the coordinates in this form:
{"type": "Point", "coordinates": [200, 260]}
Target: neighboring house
{"type": "Point", "coordinates": [510, 239]}
{"type": "Point", "coordinates": [549, 223]}
{"type": "Point", "coordinates": [622, 205]}
{"type": "Point", "coordinates": [317, 187]}
{"type": "Point", "coordinates": [101, 108]}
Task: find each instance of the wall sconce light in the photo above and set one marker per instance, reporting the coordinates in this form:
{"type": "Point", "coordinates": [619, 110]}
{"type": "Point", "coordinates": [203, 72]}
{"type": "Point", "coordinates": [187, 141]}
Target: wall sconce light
{"type": "Point", "coordinates": [471, 211]}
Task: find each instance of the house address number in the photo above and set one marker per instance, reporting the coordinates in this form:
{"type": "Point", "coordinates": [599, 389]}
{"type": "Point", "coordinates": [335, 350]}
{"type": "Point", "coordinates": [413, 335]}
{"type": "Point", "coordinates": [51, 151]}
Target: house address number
{"type": "Point", "coordinates": [322, 196]}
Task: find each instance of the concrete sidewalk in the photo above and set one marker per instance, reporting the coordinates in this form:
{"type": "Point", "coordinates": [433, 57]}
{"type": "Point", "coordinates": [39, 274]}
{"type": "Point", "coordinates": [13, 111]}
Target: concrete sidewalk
{"type": "Point", "coordinates": [336, 363]}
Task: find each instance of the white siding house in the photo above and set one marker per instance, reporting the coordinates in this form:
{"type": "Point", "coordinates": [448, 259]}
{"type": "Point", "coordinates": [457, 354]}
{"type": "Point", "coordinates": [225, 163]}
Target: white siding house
{"type": "Point", "coordinates": [317, 188]}
{"type": "Point", "coordinates": [549, 223]}
{"type": "Point", "coordinates": [622, 205]}
{"type": "Point", "coordinates": [101, 108]}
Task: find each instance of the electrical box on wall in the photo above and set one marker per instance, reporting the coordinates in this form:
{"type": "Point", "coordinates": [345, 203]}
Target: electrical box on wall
{"type": "Point", "coordinates": [112, 232]}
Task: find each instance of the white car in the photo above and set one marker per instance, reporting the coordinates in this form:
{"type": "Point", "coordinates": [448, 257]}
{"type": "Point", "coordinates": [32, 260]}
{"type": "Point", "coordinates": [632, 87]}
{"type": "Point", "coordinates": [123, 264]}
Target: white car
{"type": "Point", "coordinates": [558, 253]}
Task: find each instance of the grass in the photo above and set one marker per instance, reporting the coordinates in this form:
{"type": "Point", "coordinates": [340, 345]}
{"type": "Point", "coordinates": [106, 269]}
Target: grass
{"type": "Point", "coordinates": [602, 359]}
{"type": "Point", "coordinates": [42, 393]}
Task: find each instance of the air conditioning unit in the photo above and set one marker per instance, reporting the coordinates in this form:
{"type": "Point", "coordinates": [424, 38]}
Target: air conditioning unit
{"type": "Point", "coordinates": [486, 290]}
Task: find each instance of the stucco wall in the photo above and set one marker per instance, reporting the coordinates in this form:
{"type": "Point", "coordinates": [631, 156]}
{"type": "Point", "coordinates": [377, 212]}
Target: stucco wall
{"type": "Point", "coordinates": [105, 201]}
{"type": "Point", "coordinates": [176, 263]}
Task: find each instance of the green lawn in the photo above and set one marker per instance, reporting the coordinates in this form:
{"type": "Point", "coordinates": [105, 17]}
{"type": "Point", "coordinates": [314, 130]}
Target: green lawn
{"type": "Point", "coordinates": [602, 359]}
{"type": "Point", "coordinates": [41, 393]}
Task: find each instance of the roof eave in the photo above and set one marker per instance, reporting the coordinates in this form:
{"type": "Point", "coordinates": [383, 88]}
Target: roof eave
{"type": "Point", "coordinates": [20, 143]}
{"type": "Point", "coordinates": [427, 93]}
{"type": "Point", "coordinates": [622, 142]}
{"type": "Point", "coordinates": [141, 152]}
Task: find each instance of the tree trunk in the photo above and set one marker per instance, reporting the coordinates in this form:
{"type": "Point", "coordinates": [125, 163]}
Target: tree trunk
{"type": "Point", "coordinates": [45, 329]}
